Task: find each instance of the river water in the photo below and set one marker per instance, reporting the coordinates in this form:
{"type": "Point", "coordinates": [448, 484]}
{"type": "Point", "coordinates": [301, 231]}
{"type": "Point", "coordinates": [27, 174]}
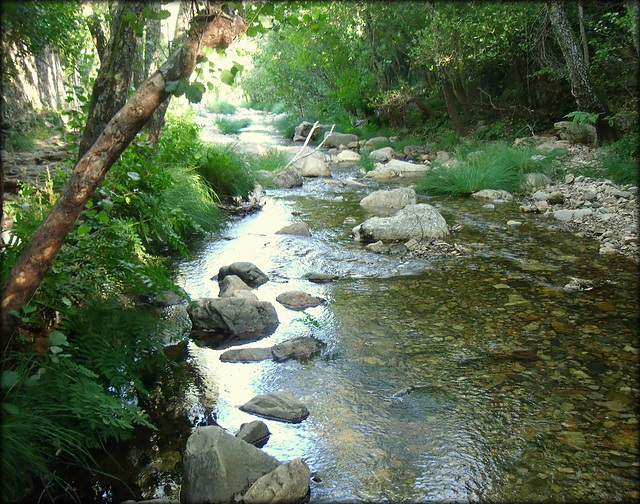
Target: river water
{"type": "Point", "coordinates": [473, 378]}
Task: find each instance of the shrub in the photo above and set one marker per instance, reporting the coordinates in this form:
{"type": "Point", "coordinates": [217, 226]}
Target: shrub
{"type": "Point", "coordinates": [227, 172]}
{"type": "Point", "coordinates": [617, 161]}
{"type": "Point", "coordinates": [497, 166]}
{"type": "Point", "coordinates": [221, 107]}
{"type": "Point", "coordinates": [232, 126]}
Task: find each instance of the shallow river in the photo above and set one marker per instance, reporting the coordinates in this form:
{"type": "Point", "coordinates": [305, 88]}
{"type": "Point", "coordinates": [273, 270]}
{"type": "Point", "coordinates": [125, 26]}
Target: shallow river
{"type": "Point", "coordinates": [521, 391]}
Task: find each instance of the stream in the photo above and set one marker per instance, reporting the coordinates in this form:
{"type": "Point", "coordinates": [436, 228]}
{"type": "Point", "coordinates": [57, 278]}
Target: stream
{"type": "Point", "coordinates": [466, 378]}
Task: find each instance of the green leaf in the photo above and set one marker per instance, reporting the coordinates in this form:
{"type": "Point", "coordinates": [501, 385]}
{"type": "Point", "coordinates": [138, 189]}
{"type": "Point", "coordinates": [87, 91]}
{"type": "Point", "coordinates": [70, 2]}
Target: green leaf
{"type": "Point", "coordinates": [103, 217]}
{"type": "Point", "coordinates": [10, 408]}
{"type": "Point", "coordinates": [171, 86]}
{"type": "Point", "coordinates": [83, 229]}
{"type": "Point", "coordinates": [66, 301]}
{"type": "Point", "coordinates": [55, 349]}
{"type": "Point", "coordinates": [227, 77]}
{"type": "Point", "coordinates": [56, 338]}
{"type": "Point", "coordinates": [194, 93]}
{"type": "Point", "coordinates": [265, 21]}
{"type": "Point", "coordinates": [252, 31]}
{"type": "Point", "coordinates": [9, 379]}
{"type": "Point", "coordinates": [106, 204]}
{"type": "Point", "coordinates": [133, 175]}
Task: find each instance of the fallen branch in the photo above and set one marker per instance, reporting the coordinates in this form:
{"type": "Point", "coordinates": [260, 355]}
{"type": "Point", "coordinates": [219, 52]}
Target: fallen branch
{"type": "Point", "coordinates": [298, 155]}
{"type": "Point", "coordinates": [490, 100]}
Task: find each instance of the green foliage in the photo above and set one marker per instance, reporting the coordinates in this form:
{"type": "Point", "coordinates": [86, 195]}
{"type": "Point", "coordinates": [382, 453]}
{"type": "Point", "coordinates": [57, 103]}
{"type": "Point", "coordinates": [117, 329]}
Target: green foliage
{"type": "Point", "coordinates": [286, 125]}
{"type": "Point", "coordinates": [221, 107]}
{"type": "Point", "coordinates": [232, 126]}
{"type": "Point", "coordinates": [367, 162]}
{"type": "Point", "coordinates": [497, 166]}
{"type": "Point", "coordinates": [272, 160]}
{"type": "Point", "coordinates": [617, 161]}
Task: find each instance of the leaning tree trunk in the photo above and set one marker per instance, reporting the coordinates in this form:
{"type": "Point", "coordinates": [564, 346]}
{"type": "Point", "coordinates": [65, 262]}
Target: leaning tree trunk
{"type": "Point", "coordinates": [114, 78]}
{"type": "Point", "coordinates": [582, 86]}
{"type": "Point", "coordinates": [215, 30]}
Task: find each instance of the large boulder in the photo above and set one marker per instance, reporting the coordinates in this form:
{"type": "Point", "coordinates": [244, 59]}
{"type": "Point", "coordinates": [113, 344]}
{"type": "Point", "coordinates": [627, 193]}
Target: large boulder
{"type": "Point", "coordinates": [217, 466]}
{"type": "Point", "coordinates": [395, 198]}
{"type": "Point", "coordinates": [397, 168]}
{"type": "Point", "coordinates": [336, 139]}
{"type": "Point", "coordinates": [287, 484]}
{"type": "Point", "coordinates": [315, 167]}
{"type": "Point", "coordinates": [376, 143]}
{"type": "Point", "coordinates": [280, 405]}
{"type": "Point", "coordinates": [417, 221]}
{"type": "Point", "coordinates": [298, 300]}
{"type": "Point", "coordinates": [575, 132]}
{"type": "Point", "coordinates": [300, 348]}
{"type": "Point", "coordinates": [284, 178]}
{"type": "Point", "coordinates": [234, 317]}
{"type": "Point", "coordinates": [348, 155]}
{"type": "Point", "coordinates": [382, 155]}
{"type": "Point", "coordinates": [248, 272]}
{"type": "Point", "coordinates": [493, 194]}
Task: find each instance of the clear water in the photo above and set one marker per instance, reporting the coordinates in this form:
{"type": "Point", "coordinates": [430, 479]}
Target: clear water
{"type": "Point", "coordinates": [521, 391]}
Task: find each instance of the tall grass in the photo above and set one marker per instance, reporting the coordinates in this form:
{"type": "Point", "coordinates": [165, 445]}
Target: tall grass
{"type": "Point", "coordinates": [496, 166]}
{"type": "Point", "coordinates": [227, 171]}
{"type": "Point", "coordinates": [232, 126]}
{"type": "Point", "coordinates": [221, 107]}
{"type": "Point", "coordinates": [272, 160]}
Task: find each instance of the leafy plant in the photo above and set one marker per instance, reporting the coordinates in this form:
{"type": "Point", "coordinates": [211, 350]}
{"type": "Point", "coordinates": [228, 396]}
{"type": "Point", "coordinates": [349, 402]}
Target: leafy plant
{"type": "Point", "coordinates": [232, 126]}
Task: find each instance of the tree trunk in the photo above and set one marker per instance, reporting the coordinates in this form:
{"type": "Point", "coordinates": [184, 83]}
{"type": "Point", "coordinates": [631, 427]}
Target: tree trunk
{"type": "Point", "coordinates": [633, 9]}
{"type": "Point", "coordinates": [26, 275]}
{"type": "Point", "coordinates": [583, 34]}
{"type": "Point", "coordinates": [450, 98]}
{"type": "Point", "coordinates": [114, 78]}
{"type": "Point", "coordinates": [582, 87]}
{"type": "Point", "coordinates": [461, 95]}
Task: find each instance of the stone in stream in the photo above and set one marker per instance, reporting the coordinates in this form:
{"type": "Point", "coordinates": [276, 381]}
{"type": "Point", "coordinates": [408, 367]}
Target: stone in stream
{"type": "Point", "coordinates": [248, 272]}
{"type": "Point", "coordinates": [218, 320]}
{"type": "Point", "coordinates": [336, 139]}
{"type": "Point", "coordinates": [218, 466]}
{"type": "Point", "coordinates": [284, 178]}
{"type": "Point", "coordinates": [280, 405]}
{"type": "Point", "coordinates": [413, 221]}
{"type": "Point", "coordinates": [231, 284]}
{"type": "Point", "coordinates": [321, 277]}
{"type": "Point", "coordinates": [300, 348]}
{"type": "Point", "coordinates": [297, 228]}
{"type": "Point", "coordinates": [287, 484]}
{"type": "Point", "coordinates": [255, 433]}
{"type": "Point", "coordinates": [395, 198]}
{"type": "Point", "coordinates": [299, 300]}
{"type": "Point", "coordinates": [382, 155]}
{"type": "Point", "coordinates": [314, 167]}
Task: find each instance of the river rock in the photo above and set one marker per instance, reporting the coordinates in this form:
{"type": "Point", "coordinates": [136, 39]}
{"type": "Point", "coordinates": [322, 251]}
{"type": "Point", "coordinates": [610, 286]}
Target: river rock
{"type": "Point", "coordinates": [217, 466]}
{"type": "Point", "coordinates": [248, 272]}
{"type": "Point", "coordinates": [255, 433]}
{"type": "Point", "coordinates": [297, 228]}
{"type": "Point", "coordinates": [303, 129]}
{"type": "Point", "coordinates": [395, 198]}
{"type": "Point", "coordinates": [231, 284]}
{"type": "Point", "coordinates": [400, 168]}
{"type": "Point", "coordinates": [284, 178]}
{"type": "Point", "coordinates": [280, 405]}
{"type": "Point", "coordinates": [336, 139]}
{"type": "Point", "coordinates": [298, 300]}
{"type": "Point", "coordinates": [300, 348]}
{"type": "Point", "coordinates": [321, 277]}
{"type": "Point", "coordinates": [533, 180]}
{"type": "Point", "coordinates": [314, 167]}
{"type": "Point", "coordinates": [376, 143]}
{"type": "Point", "coordinates": [287, 484]}
{"type": "Point", "coordinates": [233, 317]}
{"type": "Point", "coordinates": [493, 194]}
{"type": "Point", "coordinates": [413, 221]}
{"type": "Point", "coordinates": [348, 155]}
{"type": "Point", "coordinates": [576, 133]}
{"type": "Point", "coordinates": [552, 147]}
{"type": "Point", "coordinates": [382, 155]}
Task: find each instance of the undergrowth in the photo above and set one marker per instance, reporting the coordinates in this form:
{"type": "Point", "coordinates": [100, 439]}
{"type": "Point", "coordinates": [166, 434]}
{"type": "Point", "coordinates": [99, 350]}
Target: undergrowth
{"type": "Point", "coordinates": [232, 126]}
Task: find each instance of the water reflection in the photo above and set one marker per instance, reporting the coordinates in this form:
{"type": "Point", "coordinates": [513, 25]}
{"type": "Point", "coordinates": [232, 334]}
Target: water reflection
{"type": "Point", "coordinates": [473, 378]}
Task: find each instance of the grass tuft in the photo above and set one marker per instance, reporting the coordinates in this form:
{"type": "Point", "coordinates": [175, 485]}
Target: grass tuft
{"type": "Point", "coordinates": [232, 126]}
{"type": "Point", "coordinates": [221, 107]}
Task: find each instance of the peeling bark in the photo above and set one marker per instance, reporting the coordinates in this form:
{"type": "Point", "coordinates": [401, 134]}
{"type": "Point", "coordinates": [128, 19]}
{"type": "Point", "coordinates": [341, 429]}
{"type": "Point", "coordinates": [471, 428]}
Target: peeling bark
{"type": "Point", "coordinates": [26, 275]}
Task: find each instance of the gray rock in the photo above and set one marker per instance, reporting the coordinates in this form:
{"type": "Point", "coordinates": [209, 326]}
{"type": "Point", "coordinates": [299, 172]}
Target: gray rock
{"type": "Point", "coordinates": [493, 194]}
{"type": "Point", "coordinates": [348, 155]}
{"type": "Point", "coordinates": [255, 433]}
{"type": "Point", "coordinates": [281, 405]}
{"type": "Point", "coordinates": [382, 155]}
{"type": "Point", "coordinates": [396, 198]}
{"type": "Point", "coordinates": [218, 466]}
{"type": "Point", "coordinates": [540, 196]}
{"type": "Point", "coordinates": [233, 317]}
{"type": "Point", "coordinates": [298, 300]}
{"type": "Point", "coordinates": [297, 228]}
{"type": "Point", "coordinates": [287, 484]}
{"type": "Point", "coordinates": [285, 178]}
{"type": "Point", "coordinates": [231, 284]}
{"type": "Point", "coordinates": [413, 221]}
{"type": "Point", "coordinates": [402, 167]}
{"type": "Point", "coordinates": [303, 129]}
{"type": "Point", "coordinates": [321, 277]}
{"type": "Point", "coordinates": [248, 272]}
{"type": "Point", "coordinates": [556, 198]}
{"type": "Point", "coordinates": [378, 247]}
{"type": "Point", "coordinates": [314, 167]}
{"type": "Point", "coordinates": [336, 139]}
{"type": "Point", "coordinates": [576, 133]}
{"type": "Point", "coordinates": [563, 215]}
{"type": "Point", "coordinates": [552, 147]}
{"type": "Point", "coordinates": [376, 143]}
{"type": "Point", "coordinates": [303, 347]}
{"type": "Point", "coordinates": [532, 180]}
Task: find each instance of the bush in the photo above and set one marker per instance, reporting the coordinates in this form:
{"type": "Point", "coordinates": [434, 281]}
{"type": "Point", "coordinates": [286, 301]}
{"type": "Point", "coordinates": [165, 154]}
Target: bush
{"type": "Point", "coordinates": [232, 126]}
{"type": "Point", "coordinates": [616, 161]}
{"type": "Point", "coordinates": [221, 107]}
{"type": "Point", "coordinates": [227, 172]}
{"type": "Point", "coordinates": [497, 166]}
